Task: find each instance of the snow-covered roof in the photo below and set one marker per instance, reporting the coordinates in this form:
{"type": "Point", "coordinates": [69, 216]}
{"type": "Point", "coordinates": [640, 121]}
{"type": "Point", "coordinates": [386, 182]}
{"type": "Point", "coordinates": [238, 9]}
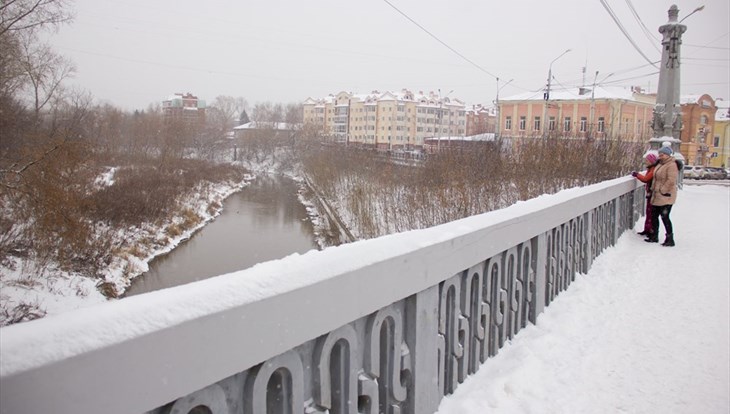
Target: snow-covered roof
{"type": "Point", "coordinates": [689, 99]}
{"type": "Point", "coordinates": [431, 99]}
{"type": "Point", "coordinates": [479, 137]}
{"type": "Point", "coordinates": [723, 110]}
{"type": "Point", "coordinates": [280, 126]}
{"type": "Point", "coordinates": [573, 94]}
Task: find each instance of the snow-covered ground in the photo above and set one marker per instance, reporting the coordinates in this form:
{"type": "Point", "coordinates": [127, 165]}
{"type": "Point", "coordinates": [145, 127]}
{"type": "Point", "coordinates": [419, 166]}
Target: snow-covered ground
{"type": "Point", "coordinates": [647, 330]}
{"type": "Point", "coordinates": [29, 289]}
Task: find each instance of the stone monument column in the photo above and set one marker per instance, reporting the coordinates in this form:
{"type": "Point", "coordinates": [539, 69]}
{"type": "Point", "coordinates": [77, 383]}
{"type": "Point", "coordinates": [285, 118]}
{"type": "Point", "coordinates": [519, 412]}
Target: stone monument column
{"type": "Point", "coordinates": [667, 122]}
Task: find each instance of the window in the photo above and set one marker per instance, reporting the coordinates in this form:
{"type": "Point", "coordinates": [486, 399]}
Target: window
{"type": "Point", "coordinates": [551, 123]}
{"type": "Point", "coordinates": [523, 122]}
{"type": "Point", "coordinates": [566, 124]}
{"type": "Point", "coordinates": [703, 120]}
{"type": "Point", "coordinates": [583, 124]}
{"type": "Point", "coordinates": [716, 141]}
{"type": "Point", "coordinates": [536, 124]}
{"type": "Point", "coordinates": [508, 123]}
{"type": "Point", "coordinates": [601, 124]}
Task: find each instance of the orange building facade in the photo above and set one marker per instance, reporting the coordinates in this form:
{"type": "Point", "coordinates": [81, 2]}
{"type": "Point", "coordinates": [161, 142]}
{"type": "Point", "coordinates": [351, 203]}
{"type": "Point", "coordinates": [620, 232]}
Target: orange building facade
{"type": "Point", "coordinates": [698, 124]}
{"type": "Point", "coordinates": [606, 113]}
{"type": "Point", "coordinates": [184, 107]}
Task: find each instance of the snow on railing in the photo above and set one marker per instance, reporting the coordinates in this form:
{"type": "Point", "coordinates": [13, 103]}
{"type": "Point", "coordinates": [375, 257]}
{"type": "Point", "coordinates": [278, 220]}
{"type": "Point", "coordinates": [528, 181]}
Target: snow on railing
{"type": "Point", "coordinates": [384, 325]}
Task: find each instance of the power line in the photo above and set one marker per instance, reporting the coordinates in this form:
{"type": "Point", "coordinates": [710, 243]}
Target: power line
{"type": "Point", "coordinates": [441, 41]}
{"type": "Point", "coordinates": [652, 39]}
{"type": "Point", "coordinates": [632, 78]}
{"type": "Point", "coordinates": [623, 30]}
{"type": "Point", "coordinates": [707, 47]}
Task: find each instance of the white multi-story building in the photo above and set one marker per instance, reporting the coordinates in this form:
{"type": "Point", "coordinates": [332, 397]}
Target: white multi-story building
{"type": "Point", "coordinates": [387, 120]}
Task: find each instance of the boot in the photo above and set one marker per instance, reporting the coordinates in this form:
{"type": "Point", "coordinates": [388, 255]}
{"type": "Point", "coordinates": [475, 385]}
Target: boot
{"type": "Point", "coordinates": [652, 239]}
{"type": "Point", "coordinates": [644, 233]}
{"type": "Point", "coordinates": [669, 241]}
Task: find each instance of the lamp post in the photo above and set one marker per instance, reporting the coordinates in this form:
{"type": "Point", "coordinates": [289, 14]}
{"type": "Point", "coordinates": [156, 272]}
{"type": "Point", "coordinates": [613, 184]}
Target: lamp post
{"type": "Point", "coordinates": [496, 104]}
{"type": "Point", "coordinates": [593, 101]}
{"type": "Point", "coordinates": [441, 118]}
{"type": "Point", "coordinates": [547, 94]}
{"type": "Point", "coordinates": [693, 12]}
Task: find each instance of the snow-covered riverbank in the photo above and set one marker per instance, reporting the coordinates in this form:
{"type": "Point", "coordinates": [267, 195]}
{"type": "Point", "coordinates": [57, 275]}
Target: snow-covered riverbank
{"type": "Point", "coordinates": [29, 290]}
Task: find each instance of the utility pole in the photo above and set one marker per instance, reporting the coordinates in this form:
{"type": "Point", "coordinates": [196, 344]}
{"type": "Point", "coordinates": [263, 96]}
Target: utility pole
{"type": "Point", "coordinates": [547, 94]}
{"type": "Point", "coordinates": [496, 104]}
{"type": "Point", "coordinates": [593, 105]}
{"type": "Point", "coordinates": [593, 102]}
{"type": "Point", "coordinates": [441, 118]}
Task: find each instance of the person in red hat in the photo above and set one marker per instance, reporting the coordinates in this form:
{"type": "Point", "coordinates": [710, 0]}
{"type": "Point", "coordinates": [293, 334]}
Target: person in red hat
{"type": "Point", "coordinates": [650, 158]}
{"type": "Point", "coordinates": [663, 195]}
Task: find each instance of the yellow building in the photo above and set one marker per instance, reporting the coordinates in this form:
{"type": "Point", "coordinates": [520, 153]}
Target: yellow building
{"type": "Point", "coordinates": [720, 157]}
{"type": "Point", "coordinates": [386, 120]}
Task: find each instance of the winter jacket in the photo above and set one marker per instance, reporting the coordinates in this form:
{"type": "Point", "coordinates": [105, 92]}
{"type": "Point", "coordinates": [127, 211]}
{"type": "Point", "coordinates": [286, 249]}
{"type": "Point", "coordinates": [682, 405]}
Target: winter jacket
{"type": "Point", "coordinates": [647, 178]}
{"type": "Point", "coordinates": [664, 187]}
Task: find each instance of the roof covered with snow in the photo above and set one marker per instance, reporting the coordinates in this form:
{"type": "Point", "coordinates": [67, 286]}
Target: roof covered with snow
{"type": "Point", "coordinates": [280, 126]}
{"type": "Point", "coordinates": [573, 94]}
{"type": "Point", "coordinates": [433, 99]}
{"type": "Point", "coordinates": [723, 110]}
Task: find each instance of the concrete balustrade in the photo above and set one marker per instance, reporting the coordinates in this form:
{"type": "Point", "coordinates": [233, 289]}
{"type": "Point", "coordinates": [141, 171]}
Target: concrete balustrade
{"type": "Point", "coordinates": [392, 332]}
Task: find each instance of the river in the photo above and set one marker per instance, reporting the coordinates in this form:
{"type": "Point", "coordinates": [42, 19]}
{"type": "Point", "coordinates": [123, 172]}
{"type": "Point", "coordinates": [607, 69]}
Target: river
{"type": "Point", "coordinates": [264, 221]}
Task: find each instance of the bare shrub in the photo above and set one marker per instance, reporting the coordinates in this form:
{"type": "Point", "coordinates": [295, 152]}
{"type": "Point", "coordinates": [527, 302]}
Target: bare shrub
{"type": "Point", "coordinates": [22, 312]}
{"type": "Point", "coordinates": [382, 197]}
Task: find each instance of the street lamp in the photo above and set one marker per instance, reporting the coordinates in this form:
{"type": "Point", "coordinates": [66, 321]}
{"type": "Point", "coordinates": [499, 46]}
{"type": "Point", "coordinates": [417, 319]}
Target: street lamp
{"type": "Point", "coordinates": [693, 12]}
{"type": "Point", "coordinates": [441, 118]}
{"type": "Point", "coordinates": [496, 103]}
{"type": "Point", "coordinates": [593, 100]}
{"type": "Point", "coordinates": [547, 94]}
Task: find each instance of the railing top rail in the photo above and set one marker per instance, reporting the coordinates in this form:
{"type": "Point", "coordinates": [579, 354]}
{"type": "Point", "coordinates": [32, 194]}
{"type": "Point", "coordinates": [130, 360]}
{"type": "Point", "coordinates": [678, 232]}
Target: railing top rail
{"type": "Point", "coordinates": [150, 345]}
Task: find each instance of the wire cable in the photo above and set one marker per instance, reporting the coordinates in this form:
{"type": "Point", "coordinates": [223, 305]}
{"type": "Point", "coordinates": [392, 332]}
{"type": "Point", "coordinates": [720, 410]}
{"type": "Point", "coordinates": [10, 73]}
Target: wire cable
{"type": "Point", "coordinates": [623, 30]}
{"type": "Point", "coordinates": [441, 41]}
{"type": "Point", "coordinates": [649, 35]}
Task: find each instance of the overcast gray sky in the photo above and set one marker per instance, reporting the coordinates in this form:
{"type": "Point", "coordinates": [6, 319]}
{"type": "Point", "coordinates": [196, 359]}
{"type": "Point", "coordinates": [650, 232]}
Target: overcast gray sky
{"type": "Point", "coordinates": [132, 53]}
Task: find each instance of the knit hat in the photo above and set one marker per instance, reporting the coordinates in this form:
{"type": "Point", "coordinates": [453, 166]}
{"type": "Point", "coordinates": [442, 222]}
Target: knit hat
{"type": "Point", "coordinates": [651, 157]}
{"type": "Point", "coordinates": [665, 150]}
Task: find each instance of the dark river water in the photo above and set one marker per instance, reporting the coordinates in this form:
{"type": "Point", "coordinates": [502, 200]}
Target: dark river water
{"type": "Point", "coordinates": [264, 221]}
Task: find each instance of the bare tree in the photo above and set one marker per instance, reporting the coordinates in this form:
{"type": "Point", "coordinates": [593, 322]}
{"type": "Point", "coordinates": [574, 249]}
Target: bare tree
{"type": "Point", "coordinates": [45, 71]}
{"type": "Point", "coordinates": [294, 114]}
{"type": "Point", "coordinates": [263, 112]}
{"type": "Point", "coordinates": [227, 108]}
{"type": "Point", "coordinates": [29, 15]}
{"type": "Point", "coordinates": [11, 70]}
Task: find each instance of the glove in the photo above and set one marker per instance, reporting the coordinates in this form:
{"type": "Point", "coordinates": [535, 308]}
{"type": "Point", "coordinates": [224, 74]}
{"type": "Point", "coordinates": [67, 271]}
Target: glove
{"type": "Point", "coordinates": [666, 194]}
{"type": "Point", "coordinates": [634, 173]}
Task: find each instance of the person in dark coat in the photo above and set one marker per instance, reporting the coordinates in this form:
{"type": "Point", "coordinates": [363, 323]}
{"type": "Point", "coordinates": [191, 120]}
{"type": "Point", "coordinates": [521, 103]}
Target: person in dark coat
{"type": "Point", "coordinates": [650, 158]}
{"type": "Point", "coordinates": [663, 195]}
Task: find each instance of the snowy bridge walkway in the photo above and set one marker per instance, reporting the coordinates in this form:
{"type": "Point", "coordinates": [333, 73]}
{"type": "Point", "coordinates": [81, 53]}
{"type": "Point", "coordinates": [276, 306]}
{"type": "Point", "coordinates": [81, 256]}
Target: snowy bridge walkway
{"type": "Point", "coordinates": [646, 330]}
{"type": "Point", "coordinates": [380, 325]}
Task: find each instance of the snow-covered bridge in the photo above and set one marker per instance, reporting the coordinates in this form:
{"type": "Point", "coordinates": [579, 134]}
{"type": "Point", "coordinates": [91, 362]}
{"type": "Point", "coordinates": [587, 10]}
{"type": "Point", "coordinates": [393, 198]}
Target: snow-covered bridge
{"type": "Point", "coordinates": [394, 324]}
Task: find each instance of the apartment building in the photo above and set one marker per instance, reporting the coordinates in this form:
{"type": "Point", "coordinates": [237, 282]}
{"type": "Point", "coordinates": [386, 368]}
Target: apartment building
{"type": "Point", "coordinates": [186, 107]}
{"type": "Point", "coordinates": [721, 136]}
{"type": "Point", "coordinates": [698, 123]}
{"type": "Point", "coordinates": [600, 113]}
{"type": "Point", "coordinates": [386, 120]}
{"type": "Point", "coordinates": [480, 120]}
